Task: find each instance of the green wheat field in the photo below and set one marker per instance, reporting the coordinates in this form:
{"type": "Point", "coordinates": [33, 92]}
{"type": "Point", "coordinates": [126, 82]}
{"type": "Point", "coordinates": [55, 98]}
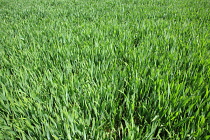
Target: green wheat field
{"type": "Point", "coordinates": [104, 69]}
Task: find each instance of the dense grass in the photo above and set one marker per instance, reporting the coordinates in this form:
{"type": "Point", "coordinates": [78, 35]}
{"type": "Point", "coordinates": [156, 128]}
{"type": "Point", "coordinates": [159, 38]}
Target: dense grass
{"type": "Point", "coordinates": [104, 69]}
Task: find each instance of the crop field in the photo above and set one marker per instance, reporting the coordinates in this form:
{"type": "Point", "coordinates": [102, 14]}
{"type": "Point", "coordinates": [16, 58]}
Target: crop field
{"type": "Point", "coordinates": [104, 69]}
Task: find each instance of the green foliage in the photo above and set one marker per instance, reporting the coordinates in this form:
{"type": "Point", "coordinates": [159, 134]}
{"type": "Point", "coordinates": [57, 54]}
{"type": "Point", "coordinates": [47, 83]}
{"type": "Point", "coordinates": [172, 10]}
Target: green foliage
{"type": "Point", "coordinates": [111, 69]}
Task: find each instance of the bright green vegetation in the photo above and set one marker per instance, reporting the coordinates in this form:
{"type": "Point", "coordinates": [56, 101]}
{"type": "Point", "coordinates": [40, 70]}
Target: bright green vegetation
{"type": "Point", "coordinates": [104, 69]}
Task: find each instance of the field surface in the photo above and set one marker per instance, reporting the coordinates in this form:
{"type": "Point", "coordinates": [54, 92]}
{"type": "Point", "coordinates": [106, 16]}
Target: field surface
{"type": "Point", "coordinates": [104, 69]}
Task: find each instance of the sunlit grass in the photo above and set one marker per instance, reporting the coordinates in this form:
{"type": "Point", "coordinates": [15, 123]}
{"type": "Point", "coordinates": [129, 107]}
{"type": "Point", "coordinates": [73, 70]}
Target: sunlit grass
{"type": "Point", "coordinates": [123, 69]}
